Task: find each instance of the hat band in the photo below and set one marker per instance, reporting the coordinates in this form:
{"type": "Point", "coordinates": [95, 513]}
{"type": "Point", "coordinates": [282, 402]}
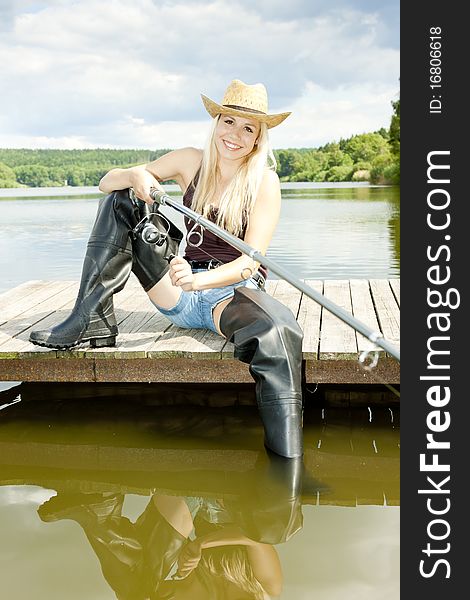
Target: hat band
{"type": "Point", "coordinates": [244, 108]}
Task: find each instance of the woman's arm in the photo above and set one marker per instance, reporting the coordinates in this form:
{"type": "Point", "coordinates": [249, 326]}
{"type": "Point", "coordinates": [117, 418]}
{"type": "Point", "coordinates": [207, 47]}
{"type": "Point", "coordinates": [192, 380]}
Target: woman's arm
{"type": "Point", "coordinates": [262, 223]}
{"type": "Point", "coordinates": [190, 556]}
{"type": "Point", "coordinates": [179, 165]}
{"type": "Point", "coordinates": [266, 567]}
{"type": "Point", "coordinates": [263, 558]}
{"type": "Point", "coordinates": [175, 511]}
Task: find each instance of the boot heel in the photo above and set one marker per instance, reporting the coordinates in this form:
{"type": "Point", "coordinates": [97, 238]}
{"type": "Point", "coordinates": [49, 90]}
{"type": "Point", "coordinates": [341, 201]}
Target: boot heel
{"type": "Point", "coordinates": [103, 342]}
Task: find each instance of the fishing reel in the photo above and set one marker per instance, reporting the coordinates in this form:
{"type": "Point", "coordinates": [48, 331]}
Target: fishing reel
{"type": "Point", "coordinates": [148, 231]}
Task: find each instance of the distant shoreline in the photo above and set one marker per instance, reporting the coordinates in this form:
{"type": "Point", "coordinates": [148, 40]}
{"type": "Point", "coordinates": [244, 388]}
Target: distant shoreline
{"type": "Point", "coordinates": [72, 191]}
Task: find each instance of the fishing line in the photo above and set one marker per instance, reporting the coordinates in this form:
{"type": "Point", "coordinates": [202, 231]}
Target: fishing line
{"type": "Point", "coordinates": [151, 234]}
{"type": "Point", "coordinates": [200, 233]}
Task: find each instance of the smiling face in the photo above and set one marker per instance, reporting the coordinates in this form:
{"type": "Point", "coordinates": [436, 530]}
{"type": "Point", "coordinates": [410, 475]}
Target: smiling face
{"type": "Point", "coordinates": [235, 137]}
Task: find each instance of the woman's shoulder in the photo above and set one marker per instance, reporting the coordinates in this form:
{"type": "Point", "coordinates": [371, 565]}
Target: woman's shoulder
{"type": "Point", "coordinates": [269, 193]}
{"type": "Point", "coordinates": [190, 152]}
{"type": "Point", "coordinates": [189, 160]}
{"type": "Point", "coordinates": [179, 165]}
{"type": "Point", "coordinates": [192, 158]}
{"type": "Point", "coordinates": [270, 184]}
{"type": "Point", "coordinates": [270, 179]}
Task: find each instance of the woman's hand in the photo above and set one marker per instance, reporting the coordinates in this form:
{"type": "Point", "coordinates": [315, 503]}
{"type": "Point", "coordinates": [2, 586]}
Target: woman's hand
{"type": "Point", "coordinates": [142, 181]}
{"type": "Point", "coordinates": [189, 558]}
{"type": "Point", "coordinates": [181, 274]}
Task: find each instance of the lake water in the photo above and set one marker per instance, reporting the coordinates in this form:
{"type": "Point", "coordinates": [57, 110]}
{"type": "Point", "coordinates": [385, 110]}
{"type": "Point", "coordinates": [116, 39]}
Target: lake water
{"type": "Point", "coordinates": [104, 456]}
{"type": "Point", "coordinates": [324, 233]}
{"type": "Point", "coordinates": [86, 470]}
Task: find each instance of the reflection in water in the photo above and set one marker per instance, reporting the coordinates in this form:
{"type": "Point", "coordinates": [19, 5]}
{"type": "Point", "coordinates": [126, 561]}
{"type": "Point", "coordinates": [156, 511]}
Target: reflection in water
{"type": "Point", "coordinates": [219, 517]}
{"type": "Point", "coordinates": [394, 228]}
{"type": "Point", "coordinates": [191, 546]}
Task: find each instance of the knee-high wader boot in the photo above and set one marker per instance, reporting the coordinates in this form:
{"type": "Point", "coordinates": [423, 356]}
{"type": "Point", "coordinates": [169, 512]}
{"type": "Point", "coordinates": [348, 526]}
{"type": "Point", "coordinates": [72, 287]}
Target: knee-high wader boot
{"type": "Point", "coordinates": [113, 251]}
{"type": "Point", "coordinates": [112, 536]}
{"type": "Point", "coordinates": [268, 508]}
{"type": "Point", "coordinates": [267, 336]}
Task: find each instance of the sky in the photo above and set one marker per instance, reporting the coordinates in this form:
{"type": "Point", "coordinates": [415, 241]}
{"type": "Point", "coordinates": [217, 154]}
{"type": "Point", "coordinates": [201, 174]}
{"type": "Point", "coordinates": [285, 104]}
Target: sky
{"type": "Point", "coordinates": [129, 74]}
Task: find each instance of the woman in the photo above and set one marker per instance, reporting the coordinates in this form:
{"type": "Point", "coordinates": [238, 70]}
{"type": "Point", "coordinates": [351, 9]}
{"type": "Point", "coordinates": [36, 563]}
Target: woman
{"type": "Point", "coordinates": [231, 183]}
{"type": "Point", "coordinates": [179, 547]}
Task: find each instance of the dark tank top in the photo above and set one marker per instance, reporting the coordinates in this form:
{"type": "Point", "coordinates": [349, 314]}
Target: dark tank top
{"type": "Point", "coordinates": [211, 246]}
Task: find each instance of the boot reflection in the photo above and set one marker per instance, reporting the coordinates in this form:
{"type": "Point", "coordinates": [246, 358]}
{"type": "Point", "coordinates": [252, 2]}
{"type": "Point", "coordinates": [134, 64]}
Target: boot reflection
{"type": "Point", "coordinates": [193, 547]}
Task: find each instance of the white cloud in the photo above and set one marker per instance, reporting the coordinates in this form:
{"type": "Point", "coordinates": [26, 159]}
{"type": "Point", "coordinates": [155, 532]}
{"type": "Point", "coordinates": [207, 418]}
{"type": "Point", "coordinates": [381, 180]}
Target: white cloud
{"type": "Point", "coordinates": [24, 494]}
{"type": "Point", "coordinates": [130, 74]}
{"type": "Point", "coordinates": [321, 115]}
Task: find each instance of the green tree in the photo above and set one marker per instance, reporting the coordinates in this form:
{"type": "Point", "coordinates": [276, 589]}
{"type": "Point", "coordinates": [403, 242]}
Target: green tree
{"type": "Point", "coordinates": [379, 166]}
{"type": "Point", "coordinates": [39, 176]}
{"type": "Point", "coordinates": [311, 166]}
{"type": "Point", "coordinates": [335, 157]}
{"type": "Point", "coordinates": [392, 172]}
{"type": "Point", "coordinates": [394, 132]}
{"type": "Point", "coordinates": [366, 146]}
{"type": "Point", "coordinates": [339, 173]}
{"type": "Point", "coordinates": [7, 176]}
{"type": "Point", "coordinates": [285, 162]}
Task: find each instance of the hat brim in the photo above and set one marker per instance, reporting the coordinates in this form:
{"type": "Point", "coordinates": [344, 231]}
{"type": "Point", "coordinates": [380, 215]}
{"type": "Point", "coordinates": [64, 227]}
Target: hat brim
{"type": "Point", "coordinates": [215, 109]}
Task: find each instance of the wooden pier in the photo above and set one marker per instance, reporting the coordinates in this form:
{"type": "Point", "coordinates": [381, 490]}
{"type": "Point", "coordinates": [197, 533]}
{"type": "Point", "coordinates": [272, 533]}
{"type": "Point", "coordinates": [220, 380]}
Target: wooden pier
{"type": "Point", "coordinates": [150, 349]}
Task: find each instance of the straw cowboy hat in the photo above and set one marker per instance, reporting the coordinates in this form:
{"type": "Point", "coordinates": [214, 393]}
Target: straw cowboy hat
{"type": "Point", "coordinates": [244, 100]}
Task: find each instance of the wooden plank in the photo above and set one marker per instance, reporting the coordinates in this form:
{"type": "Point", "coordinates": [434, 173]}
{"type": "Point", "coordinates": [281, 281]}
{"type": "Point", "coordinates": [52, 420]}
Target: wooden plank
{"type": "Point", "coordinates": [172, 370]}
{"type": "Point", "coordinates": [395, 285]}
{"type": "Point", "coordinates": [138, 330]}
{"type": "Point", "coordinates": [19, 346]}
{"type": "Point", "coordinates": [338, 340]}
{"type": "Point", "coordinates": [145, 334]}
{"type": "Point", "coordinates": [20, 291]}
{"type": "Point", "coordinates": [182, 370]}
{"type": "Point", "coordinates": [288, 295]}
{"type": "Point", "coordinates": [309, 319]}
{"type": "Point", "coordinates": [15, 332]}
{"type": "Point", "coordinates": [188, 343]}
{"type": "Point", "coordinates": [37, 369]}
{"type": "Point", "coordinates": [24, 299]}
{"type": "Point", "coordinates": [18, 343]}
{"type": "Point", "coordinates": [350, 371]}
{"type": "Point", "coordinates": [125, 298]}
{"type": "Point", "coordinates": [388, 313]}
{"type": "Point", "coordinates": [271, 286]}
{"type": "Point", "coordinates": [363, 309]}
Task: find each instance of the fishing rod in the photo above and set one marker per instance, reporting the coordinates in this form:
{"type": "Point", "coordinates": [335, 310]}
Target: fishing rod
{"type": "Point", "coordinates": [375, 337]}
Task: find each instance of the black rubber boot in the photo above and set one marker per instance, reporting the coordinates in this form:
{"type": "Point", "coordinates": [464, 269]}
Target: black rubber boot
{"type": "Point", "coordinates": [149, 260]}
{"type": "Point", "coordinates": [267, 336]}
{"type": "Point", "coordinates": [269, 506]}
{"type": "Point", "coordinates": [112, 536]}
{"type": "Point", "coordinates": [112, 252]}
{"type": "Point", "coordinates": [81, 507]}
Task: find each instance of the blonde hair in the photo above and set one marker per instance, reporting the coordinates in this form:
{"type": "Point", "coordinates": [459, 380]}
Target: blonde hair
{"type": "Point", "coordinates": [238, 199]}
{"type": "Point", "coordinates": [232, 563]}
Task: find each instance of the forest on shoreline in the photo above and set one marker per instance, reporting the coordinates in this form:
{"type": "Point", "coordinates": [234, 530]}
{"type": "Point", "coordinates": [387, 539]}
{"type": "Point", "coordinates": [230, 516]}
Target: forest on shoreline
{"type": "Point", "coordinates": [373, 157]}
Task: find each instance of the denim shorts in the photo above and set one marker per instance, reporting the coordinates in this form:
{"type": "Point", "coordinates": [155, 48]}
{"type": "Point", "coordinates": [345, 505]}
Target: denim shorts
{"type": "Point", "coordinates": [194, 309]}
